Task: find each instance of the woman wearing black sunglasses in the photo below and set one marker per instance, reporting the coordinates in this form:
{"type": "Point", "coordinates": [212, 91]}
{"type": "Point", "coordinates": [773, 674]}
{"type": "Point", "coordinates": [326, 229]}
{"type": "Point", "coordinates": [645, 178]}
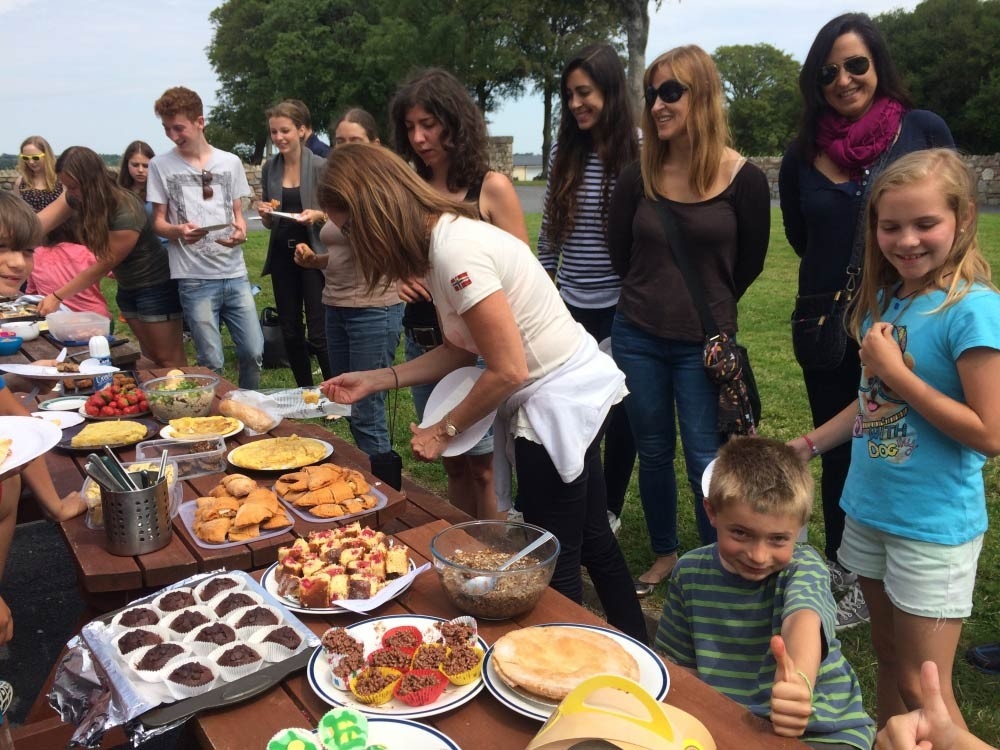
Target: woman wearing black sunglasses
{"type": "Point", "coordinates": [721, 205]}
{"type": "Point", "coordinates": [857, 118]}
{"type": "Point", "coordinates": [36, 180]}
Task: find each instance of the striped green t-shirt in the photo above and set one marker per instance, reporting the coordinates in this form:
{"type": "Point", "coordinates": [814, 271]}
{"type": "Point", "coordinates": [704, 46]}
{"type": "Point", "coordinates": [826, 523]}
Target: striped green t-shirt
{"type": "Point", "coordinates": [721, 625]}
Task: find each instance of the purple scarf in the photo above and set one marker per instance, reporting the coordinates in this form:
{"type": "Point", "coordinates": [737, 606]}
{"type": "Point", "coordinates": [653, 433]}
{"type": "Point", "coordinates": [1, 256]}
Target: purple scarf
{"type": "Point", "coordinates": [856, 144]}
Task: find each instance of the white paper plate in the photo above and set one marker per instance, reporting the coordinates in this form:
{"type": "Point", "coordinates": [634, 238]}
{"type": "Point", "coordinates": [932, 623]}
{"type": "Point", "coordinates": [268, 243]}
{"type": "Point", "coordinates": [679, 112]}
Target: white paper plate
{"type": "Point", "coordinates": [61, 420]}
{"type": "Point", "coordinates": [389, 732]}
{"type": "Point", "coordinates": [653, 675]}
{"type": "Point", "coordinates": [31, 438]}
{"type": "Point", "coordinates": [64, 403]}
{"type": "Point", "coordinates": [168, 434]}
{"type": "Point", "coordinates": [706, 477]}
{"type": "Point", "coordinates": [450, 391]}
{"type": "Point", "coordinates": [39, 372]}
{"type": "Point", "coordinates": [369, 633]}
{"type": "Point", "coordinates": [215, 227]}
{"type": "Point", "coordinates": [285, 215]}
{"type": "Point", "coordinates": [270, 583]}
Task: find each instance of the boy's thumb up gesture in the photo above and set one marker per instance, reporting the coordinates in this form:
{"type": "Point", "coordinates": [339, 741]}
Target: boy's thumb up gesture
{"type": "Point", "coordinates": [791, 696]}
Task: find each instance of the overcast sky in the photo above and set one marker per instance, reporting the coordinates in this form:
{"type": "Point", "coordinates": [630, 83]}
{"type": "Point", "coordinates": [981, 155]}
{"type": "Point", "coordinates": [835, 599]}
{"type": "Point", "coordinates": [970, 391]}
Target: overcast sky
{"type": "Point", "coordinates": [87, 73]}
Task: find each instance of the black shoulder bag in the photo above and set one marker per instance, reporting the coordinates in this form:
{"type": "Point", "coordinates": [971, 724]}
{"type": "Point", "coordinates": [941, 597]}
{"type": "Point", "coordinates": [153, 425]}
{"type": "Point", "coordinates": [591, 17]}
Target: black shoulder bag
{"type": "Point", "coordinates": [388, 466]}
{"type": "Point", "coordinates": [727, 364]}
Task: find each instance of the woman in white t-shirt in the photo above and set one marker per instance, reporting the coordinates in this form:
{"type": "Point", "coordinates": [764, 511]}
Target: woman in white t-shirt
{"type": "Point", "coordinates": [547, 380]}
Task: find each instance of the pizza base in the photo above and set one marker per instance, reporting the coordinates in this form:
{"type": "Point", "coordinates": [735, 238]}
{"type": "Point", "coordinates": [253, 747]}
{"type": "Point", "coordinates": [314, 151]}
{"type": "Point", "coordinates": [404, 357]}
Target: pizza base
{"type": "Point", "coordinates": [551, 661]}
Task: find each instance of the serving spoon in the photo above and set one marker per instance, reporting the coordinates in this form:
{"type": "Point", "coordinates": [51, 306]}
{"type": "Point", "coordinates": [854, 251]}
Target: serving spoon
{"type": "Point", "coordinates": [481, 585]}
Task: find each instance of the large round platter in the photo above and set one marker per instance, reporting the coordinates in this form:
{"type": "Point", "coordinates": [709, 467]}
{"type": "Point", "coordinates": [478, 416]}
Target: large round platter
{"type": "Point", "coordinates": [30, 438]}
{"type": "Point", "coordinates": [67, 436]}
{"type": "Point", "coordinates": [390, 732]}
{"type": "Point", "coordinates": [270, 584]}
{"type": "Point", "coordinates": [234, 457]}
{"type": "Point", "coordinates": [369, 632]}
{"type": "Point", "coordinates": [653, 675]}
{"type": "Point", "coordinates": [168, 433]}
{"type": "Point", "coordinates": [40, 372]}
{"type": "Point", "coordinates": [83, 412]}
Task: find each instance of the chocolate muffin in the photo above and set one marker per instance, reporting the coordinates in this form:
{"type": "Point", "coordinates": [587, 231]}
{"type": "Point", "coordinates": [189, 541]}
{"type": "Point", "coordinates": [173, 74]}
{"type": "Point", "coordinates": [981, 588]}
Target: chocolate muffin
{"type": "Point", "coordinates": [138, 616]}
{"type": "Point", "coordinates": [191, 674]}
{"type": "Point", "coordinates": [218, 633]}
{"type": "Point", "coordinates": [234, 601]}
{"type": "Point", "coordinates": [257, 617]}
{"type": "Point", "coordinates": [238, 656]}
{"type": "Point", "coordinates": [215, 586]}
{"type": "Point", "coordinates": [158, 656]}
{"type": "Point", "coordinates": [137, 638]}
{"type": "Point", "coordinates": [187, 621]}
{"type": "Point", "coordinates": [284, 636]}
{"type": "Point", "coordinates": [176, 600]}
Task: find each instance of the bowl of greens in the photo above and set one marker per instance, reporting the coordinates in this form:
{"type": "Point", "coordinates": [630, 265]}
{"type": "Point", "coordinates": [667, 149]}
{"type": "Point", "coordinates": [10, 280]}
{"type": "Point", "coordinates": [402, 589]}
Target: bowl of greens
{"type": "Point", "coordinates": [180, 394]}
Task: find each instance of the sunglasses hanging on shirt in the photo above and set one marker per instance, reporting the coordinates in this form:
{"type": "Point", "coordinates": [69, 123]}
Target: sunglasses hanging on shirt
{"type": "Point", "coordinates": [206, 185]}
{"type": "Point", "coordinates": [669, 91]}
{"type": "Point", "coordinates": [856, 66]}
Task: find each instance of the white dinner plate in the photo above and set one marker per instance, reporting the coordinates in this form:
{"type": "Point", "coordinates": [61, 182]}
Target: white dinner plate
{"type": "Point", "coordinates": [370, 632]}
{"type": "Point", "coordinates": [38, 372]}
{"type": "Point", "coordinates": [270, 584]}
{"type": "Point", "coordinates": [64, 403]}
{"type": "Point", "coordinates": [389, 732]}
{"type": "Point", "coordinates": [31, 438]}
{"type": "Point", "coordinates": [449, 393]}
{"type": "Point", "coordinates": [61, 420]}
{"type": "Point", "coordinates": [167, 433]}
{"type": "Point", "coordinates": [653, 675]}
{"type": "Point", "coordinates": [285, 215]}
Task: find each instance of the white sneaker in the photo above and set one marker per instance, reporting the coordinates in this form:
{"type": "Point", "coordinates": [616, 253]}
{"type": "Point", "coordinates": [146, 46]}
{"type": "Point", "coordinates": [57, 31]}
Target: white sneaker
{"type": "Point", "coordinates": [615, 522]}
{"type": "Point", "coordinates": [515, 516]}
{"type": "Point", "coordinates": [841, 579]}
{"type": "Point", "coordinates": [851, 609]}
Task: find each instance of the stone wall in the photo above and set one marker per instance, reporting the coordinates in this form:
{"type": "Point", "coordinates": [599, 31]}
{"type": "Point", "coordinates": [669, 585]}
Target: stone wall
{"type": "Point", "coordinates": [986, 169]}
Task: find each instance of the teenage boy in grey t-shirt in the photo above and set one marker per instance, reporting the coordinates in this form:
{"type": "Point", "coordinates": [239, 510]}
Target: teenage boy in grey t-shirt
{"type": "Point", "coordinates": [196, 191]}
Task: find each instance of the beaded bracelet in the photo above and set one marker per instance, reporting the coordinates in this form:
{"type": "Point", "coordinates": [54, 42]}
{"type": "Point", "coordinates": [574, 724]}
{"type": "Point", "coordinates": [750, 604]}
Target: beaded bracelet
{"type": "Point", "coordinates": [812, 446]}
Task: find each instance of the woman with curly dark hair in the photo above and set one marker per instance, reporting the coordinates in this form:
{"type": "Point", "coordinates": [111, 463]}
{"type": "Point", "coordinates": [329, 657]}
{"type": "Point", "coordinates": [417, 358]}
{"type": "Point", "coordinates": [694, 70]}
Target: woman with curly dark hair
{"type": "Point", "coordinates": [597, 138]}
{"type": "Point", "coordinates": [438, 128]}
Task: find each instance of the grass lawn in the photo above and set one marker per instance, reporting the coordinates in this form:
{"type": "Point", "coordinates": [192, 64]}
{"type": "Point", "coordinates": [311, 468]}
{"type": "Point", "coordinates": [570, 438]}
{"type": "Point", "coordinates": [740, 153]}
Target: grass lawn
{"type": "Point", "coordinates": [764, 328]}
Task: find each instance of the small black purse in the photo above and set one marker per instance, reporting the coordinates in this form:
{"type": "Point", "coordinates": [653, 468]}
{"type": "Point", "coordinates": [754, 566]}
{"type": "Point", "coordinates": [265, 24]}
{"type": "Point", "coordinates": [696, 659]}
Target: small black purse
{"type": "Point", "coordinates": [388, 466]}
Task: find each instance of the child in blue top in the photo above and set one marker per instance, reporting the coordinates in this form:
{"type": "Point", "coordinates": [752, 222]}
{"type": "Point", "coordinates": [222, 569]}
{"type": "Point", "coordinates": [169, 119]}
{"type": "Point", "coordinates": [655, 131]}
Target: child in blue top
{"type": "Point", "coordinates": [926, 418]}
{"type": "Point", "coordinates": [753, 614]}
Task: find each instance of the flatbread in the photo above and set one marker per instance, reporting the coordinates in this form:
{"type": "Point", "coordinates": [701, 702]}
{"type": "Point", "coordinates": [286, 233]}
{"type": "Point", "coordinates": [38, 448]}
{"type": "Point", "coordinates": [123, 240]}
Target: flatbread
{"type": "Point", "coordinates": [551, 661]}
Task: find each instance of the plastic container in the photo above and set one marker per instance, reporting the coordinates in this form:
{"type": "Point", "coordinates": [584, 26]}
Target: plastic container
{"type": "Point", "coordinates": [26, 329]}
{"type": "Point", "coordinates": [67, 326]}
{"type": "Point", "coordinates": [10, 345]}
{"type": "Point", "coordinates": [193, 459]}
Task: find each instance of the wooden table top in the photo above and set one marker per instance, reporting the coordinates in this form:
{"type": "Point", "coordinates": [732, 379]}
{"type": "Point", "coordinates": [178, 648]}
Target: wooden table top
{"type": "Point", "coordinates": [483, 723]}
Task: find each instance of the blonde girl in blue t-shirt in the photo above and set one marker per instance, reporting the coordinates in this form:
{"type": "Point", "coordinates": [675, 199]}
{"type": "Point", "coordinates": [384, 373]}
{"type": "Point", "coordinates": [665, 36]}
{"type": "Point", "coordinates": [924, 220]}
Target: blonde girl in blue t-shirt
{"type": "Point", "coordinates": [926, 418]}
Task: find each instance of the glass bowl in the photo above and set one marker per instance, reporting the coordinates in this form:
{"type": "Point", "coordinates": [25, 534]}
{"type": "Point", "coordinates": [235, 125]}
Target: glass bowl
{"type": "Point", "coordinates": [184, 395]}
{"type": "Point", "coordinates": [466, 557]}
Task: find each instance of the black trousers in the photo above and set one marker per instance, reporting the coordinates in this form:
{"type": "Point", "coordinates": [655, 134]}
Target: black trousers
{"type": "Point", "coordinates": [297, 289]}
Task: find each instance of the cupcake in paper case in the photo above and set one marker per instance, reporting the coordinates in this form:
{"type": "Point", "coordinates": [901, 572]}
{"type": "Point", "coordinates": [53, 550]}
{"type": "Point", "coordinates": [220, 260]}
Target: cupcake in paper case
{"type": "Point", "coordinates": [174, 600]}
{"type": "Point", "coordinates": [404, 637]}
{"type": "Point", "coordinates": [205, 638]}
{"type": "Point", "coordinates": [461, 631]}
{"type": "Point", "coordinates": [136, 617]}
{"type": "Point", "coordinates": [294, 739]}
{"type": "Point", "coordinates": [276, 643]}
{"type": "Point", "coordinates": [135, 638]}
{"type": "Point", "coordinates": [211, 587]}
{"type": "Point", "coordinates": [420, 687]}
{"type": "Point", "coordinates": [429, 656]}
{"type": "Point", "coordinates": [343, 729]}
{"type": "Point", "coordinates": [228, 602]}
{"type": "Point", "coordinates": [185, 678]}
{"type": "Point", "coordinates": [235, 660]}
{"type": "Point", "coordinates": [249, 620]}
{"type": "Point", "coordinates": [462, 665]}
{"type": "Point", "coordinates": [373, 685]}
{"type": "Point", "coordinates": [149, 662]}
{"type": "Point", "coordinates": [393, 658]}
{"type": "Point", "coordinates": [184, 621]}
{"type": "Point", "coordinates": [342, 666]}
{"type": "Point", "coordinates": [339, 642]}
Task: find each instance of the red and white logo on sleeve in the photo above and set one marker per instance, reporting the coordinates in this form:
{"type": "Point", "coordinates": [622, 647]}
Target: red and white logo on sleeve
{"type": "Point", "coordinates": [458, 283]}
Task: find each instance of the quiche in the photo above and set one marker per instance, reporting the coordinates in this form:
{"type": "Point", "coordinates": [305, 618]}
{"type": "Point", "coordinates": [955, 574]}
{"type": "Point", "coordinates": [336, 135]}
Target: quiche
{"type": "Point", "coordinates": [118, 432]}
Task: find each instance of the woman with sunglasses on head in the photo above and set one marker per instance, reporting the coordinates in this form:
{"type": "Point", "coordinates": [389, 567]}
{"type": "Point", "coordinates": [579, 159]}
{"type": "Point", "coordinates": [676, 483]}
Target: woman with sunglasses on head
{"type": "Point", "coordinates": [857, 118]}
{"type": "Point", "coordinates": [112, 222]}
{"type": "Point", "coordinates": [440, 130]}
{"type": "Point", "coordinates": [720, 204]}
{"type": "Point", "coordinates": [362, 326]}
{"type": "Point", "coordinates": [539, 362]}
{"type": "Point", "coordinates": [36, 180]}
{"type": "Point", "coordinates": [290, 179]}
{"type": "Point", "coordinates": [597, 139]}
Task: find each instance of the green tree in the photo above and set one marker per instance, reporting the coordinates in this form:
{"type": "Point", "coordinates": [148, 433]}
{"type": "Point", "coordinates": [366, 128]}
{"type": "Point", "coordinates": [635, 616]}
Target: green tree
{"type": "Point", "coordinates": [947, 53]}
{"type": "Point", "coordinates": [761, 88]}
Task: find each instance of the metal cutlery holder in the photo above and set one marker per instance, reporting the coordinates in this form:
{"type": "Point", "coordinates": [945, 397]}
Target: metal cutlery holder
{"type": "Point", "coordinates": [138, 521]}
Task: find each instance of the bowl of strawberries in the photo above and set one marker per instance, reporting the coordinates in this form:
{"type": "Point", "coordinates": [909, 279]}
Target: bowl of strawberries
{"type": "Point", "coordinates": [123, 398]}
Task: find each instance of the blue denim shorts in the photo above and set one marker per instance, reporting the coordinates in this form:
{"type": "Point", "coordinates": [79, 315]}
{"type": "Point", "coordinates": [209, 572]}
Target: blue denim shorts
{"type": "Point", "coordinates": [151, 304]}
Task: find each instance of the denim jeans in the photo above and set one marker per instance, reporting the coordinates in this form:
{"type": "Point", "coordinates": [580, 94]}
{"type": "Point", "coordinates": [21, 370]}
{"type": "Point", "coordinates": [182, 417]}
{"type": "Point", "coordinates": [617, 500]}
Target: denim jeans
{"type": "Point", "coordinates": [209, 302]}
{"type": "Point", "coordinates": [365, 338]}
{"type": "Point", "coordinates": [659, 373]}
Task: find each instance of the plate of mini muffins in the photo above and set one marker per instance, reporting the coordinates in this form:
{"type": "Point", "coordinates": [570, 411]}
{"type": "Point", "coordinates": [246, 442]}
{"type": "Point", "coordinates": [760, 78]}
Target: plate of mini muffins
{"type": "Point", "coordinates": [404, 666]}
